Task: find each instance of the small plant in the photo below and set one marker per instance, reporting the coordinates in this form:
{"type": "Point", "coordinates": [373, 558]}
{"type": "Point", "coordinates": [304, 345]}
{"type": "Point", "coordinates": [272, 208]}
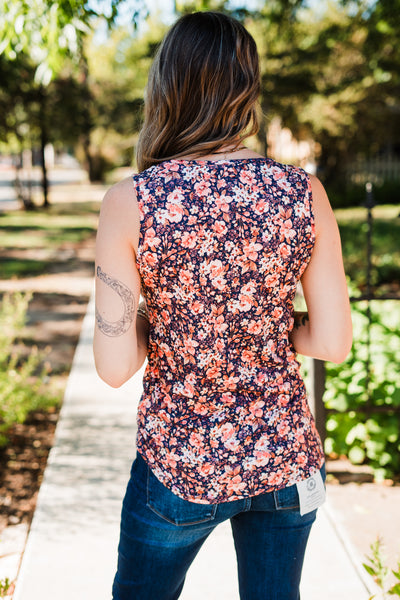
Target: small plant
{"type": "Point", "coordinates": [5, 587]}
{"type": "Point", "coordinates": [379, 571]}
{"type": "Point", "coordinates": [22, 377]}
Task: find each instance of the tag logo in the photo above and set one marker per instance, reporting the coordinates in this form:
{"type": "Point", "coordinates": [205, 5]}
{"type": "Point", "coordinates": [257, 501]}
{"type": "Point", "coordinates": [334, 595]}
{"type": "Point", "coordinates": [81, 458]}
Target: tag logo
{"type": "Point", "coordinates": [311, 484]}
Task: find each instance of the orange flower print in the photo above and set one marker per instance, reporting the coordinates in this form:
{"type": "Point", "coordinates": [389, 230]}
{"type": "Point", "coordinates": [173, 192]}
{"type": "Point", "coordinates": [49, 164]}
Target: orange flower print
{"type": "Point", "coordinates": [190, 346]}
{"type": "Point", "coordinates": [271, 279]}
{"type": "Point", "coordinates": [275, 479]}
{"type": "Point", "coordinates": [176, 196]}
{"type": "Point", "coordinates": [223, 245]}
{"type": "Point", "coordinates": [301, 459]}
{"type": "Point", "coordinates": [219, 282]}
{"type": "Point", "coordinates": [151, 259]}
{"type": "Point", "coordinates": [231, 382]}
{"type": "Point", "coordinates": [255, 327]}
{"type": "Point", "coordinates": [174, 212]}
{"type": "Point", "coordinates": [189, 239]}
{"type": "Point", "coordinates": [215, 268]}
{"type": "Point", "coordinates": [151, 241]}
{"type": "Point", "coordinates": [283, 428]}
{"type": "Point", "coordinates": [220, 228]}
{"type": "Point", "coordinates": [197, 307]}
{"type": "Point", "coordinates": [247, 356]}
{"type": "Point", "coordinates": [227, 398]}
{"type": "Point", "coordinates": [219, 344]}
{"type": "Point", "coordinates": [256, 408]}
{"type": "Point", "coordinates": [186, 277]}
{"type": "Point", "coordinates": [220, 325]}
{"type": "Point", "coordinates": [222, 203]}
{"type": "Point", "coordinates": [251, 250]}
{"type": "Point", "coordinates": [261, 206]}
{"type": "Point", "coordinates": [226, 431]}
{"type": "Point", "coordinates": [213, 372]}
{"type": "Point", "coordinates": [277, 312]}
{"type": "Point", "coordinates": [284, 250]}
{"type": "Point", "coordinates": [196, 439]}
{"type": "Point", "coordinates": [248, 288]}
{"type": "Point", "coordinates": [206, 469]}
{"type": "Point", "coordinates": [236, 485]}
{"type": "Point", "coordinates": [247, 177]}
{"type": "Point", "coordinates": [202, 188]}
{"type": "Point", "coordinates": [245, 302]}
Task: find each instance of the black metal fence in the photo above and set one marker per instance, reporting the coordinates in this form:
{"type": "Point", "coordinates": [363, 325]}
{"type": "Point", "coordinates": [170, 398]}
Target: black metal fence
{"type": "Point", "coordinates": [317, 375]}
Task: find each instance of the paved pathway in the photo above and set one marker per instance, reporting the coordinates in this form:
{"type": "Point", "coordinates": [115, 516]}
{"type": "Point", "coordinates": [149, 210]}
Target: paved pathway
{"type": "Point", "coordinates": [71, 548]}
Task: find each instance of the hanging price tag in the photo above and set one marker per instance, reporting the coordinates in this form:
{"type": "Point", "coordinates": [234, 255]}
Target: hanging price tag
{"type": "Point", "coordinates": [311, 493]}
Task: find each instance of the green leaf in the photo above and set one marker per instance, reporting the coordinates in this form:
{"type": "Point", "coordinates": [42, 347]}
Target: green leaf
{"type": "Point", "coordinates": [356, 455]}
{"type": "Point", "coordinates": [394, 590]}
{"type": "Point", "coordinates": [369, 569]}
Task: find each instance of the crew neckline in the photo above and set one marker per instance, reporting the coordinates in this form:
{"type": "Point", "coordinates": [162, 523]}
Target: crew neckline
{"type": "Point", "coordinates": [215, 160]}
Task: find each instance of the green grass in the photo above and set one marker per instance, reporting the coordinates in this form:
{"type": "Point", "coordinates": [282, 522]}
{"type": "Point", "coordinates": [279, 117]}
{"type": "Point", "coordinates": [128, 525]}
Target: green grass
{"type": "Point", "coordinates": [45, 231]}
{"type": "Point", "coordinates": [385, 245]}
{"type": "Point", "coordinates": [19, 236]}
{"type": "Point", "coordinates": [15, 267]}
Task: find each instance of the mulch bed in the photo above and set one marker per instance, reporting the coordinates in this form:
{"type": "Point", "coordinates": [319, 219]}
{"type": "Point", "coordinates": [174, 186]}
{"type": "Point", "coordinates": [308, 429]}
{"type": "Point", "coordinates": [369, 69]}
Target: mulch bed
{"type": "Point", "coordinates": [22, 464]}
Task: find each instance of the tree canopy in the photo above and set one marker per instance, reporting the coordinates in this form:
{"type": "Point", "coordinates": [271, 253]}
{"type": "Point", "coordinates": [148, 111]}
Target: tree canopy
{"type": "Point", "coordinates": [331, 74]}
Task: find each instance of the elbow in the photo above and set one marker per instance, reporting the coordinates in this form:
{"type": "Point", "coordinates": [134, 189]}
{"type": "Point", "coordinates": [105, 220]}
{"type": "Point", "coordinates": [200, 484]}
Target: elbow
{"type": "Point", "coordinates": [115, 378]}
{"type": "Point", "coordinates": [337, 357]}
{"type": "Point", "coordinates": [338, 352]}
{"type": "Point", "coordinates": [113, 381]}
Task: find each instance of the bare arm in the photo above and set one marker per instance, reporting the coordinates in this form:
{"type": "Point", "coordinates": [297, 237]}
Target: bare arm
{"type": "Point", "coordinates": [120, 338]}
{"type": "Point", "coordinates": [325, 332]}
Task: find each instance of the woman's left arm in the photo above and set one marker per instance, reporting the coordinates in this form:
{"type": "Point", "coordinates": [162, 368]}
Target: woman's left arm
{"type": "Point", "coordinates": [120, 336]}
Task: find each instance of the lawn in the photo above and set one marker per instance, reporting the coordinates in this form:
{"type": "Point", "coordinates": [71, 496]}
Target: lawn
{"type": "Point", "coordinates": [32, 243]}
{"type": "Point", "coordinates": [385, 245]}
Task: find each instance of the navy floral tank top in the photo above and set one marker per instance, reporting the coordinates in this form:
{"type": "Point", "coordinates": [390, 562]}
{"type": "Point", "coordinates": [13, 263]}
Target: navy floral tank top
{"type": "Point", "coordinates": [223, 244]}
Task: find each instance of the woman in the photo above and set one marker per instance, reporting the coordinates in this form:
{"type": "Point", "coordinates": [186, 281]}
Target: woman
{"type": "Point", "coordinates": [217, 238]}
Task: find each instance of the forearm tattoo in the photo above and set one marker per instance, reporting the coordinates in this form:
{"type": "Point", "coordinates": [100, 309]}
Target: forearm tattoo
{"type": "Point", "coordinates": [300, 319]}
{"type": "Point", "coordinates": [116, 328]}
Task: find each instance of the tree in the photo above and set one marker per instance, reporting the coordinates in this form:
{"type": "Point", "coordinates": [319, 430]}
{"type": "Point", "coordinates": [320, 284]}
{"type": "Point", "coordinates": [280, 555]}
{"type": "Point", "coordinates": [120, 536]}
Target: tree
{"type": "Point", "coordinates": [44, 34]}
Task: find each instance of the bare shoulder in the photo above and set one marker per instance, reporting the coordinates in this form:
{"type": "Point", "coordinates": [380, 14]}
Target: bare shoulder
{"type": "Point", "coordinates": [121, 196]}
{"type": "Point", "coordinates": [120, 212]}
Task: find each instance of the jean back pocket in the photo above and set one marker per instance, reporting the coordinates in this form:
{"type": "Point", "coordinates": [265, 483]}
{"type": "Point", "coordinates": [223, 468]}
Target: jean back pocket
{"type": "Point", "coordinates": [174, 509]}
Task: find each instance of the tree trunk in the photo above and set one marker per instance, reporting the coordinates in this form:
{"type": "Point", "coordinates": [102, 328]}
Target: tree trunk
{"type": "Point", "coordinates": [87, 125]}
{"type": "Point", "coordinates": [23, 195]}
{"type": "Point", "coordinates": [43, 142]}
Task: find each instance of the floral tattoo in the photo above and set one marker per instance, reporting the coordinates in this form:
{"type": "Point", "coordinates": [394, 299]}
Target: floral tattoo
{"type": "Point", "coordinates": [116, 328]}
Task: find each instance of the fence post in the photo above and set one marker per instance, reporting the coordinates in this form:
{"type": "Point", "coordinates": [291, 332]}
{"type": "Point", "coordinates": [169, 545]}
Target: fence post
{"type": "Point", "coordinates": [317, 381]}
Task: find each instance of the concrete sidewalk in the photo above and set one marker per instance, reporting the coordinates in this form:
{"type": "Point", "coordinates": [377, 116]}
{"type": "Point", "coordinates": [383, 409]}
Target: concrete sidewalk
{"type": "Point", "coordinates": [72, 545]}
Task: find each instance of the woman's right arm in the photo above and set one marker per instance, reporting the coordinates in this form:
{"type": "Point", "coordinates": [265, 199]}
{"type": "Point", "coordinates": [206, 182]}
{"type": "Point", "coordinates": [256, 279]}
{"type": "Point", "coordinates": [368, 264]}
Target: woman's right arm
{"type": "Point", "coordinates": [326, 331]}
{"type": "Point", "coordinates": [121, 334]}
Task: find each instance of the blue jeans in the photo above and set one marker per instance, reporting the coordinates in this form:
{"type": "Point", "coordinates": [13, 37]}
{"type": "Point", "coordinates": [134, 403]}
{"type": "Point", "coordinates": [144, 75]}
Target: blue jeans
{"type": "Point", "coordinates": [161, 535]}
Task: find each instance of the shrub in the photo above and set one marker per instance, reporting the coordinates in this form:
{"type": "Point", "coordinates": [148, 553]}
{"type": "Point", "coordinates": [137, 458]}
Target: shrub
{"type": "Point", "coordinates": [366, 427]}
{"type": "Point", "coordinates": [22, 380]}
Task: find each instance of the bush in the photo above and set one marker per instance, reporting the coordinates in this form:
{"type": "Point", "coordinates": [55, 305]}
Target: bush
{"type": "Point", "coordinates": [366, 427]}
{"type": "Point", "coordinates": [22, 380]}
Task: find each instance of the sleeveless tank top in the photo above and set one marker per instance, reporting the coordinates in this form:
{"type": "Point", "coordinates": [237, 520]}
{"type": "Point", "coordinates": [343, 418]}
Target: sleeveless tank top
{"type": "Point", "coordinates": [223, 244]}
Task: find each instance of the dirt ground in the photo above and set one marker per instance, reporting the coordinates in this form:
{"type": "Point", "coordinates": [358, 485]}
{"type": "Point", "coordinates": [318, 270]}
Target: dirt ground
{"type": "Point", "coordinates": [365, 509]}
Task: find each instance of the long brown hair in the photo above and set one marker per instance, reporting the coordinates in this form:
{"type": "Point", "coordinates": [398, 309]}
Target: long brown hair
{"type": "Point", "coordinates": [202, 90]}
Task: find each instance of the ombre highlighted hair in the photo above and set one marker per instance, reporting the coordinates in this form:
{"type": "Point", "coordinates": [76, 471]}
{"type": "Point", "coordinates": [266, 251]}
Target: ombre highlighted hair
{"type": "Point", "coordinates": [202, 90]}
